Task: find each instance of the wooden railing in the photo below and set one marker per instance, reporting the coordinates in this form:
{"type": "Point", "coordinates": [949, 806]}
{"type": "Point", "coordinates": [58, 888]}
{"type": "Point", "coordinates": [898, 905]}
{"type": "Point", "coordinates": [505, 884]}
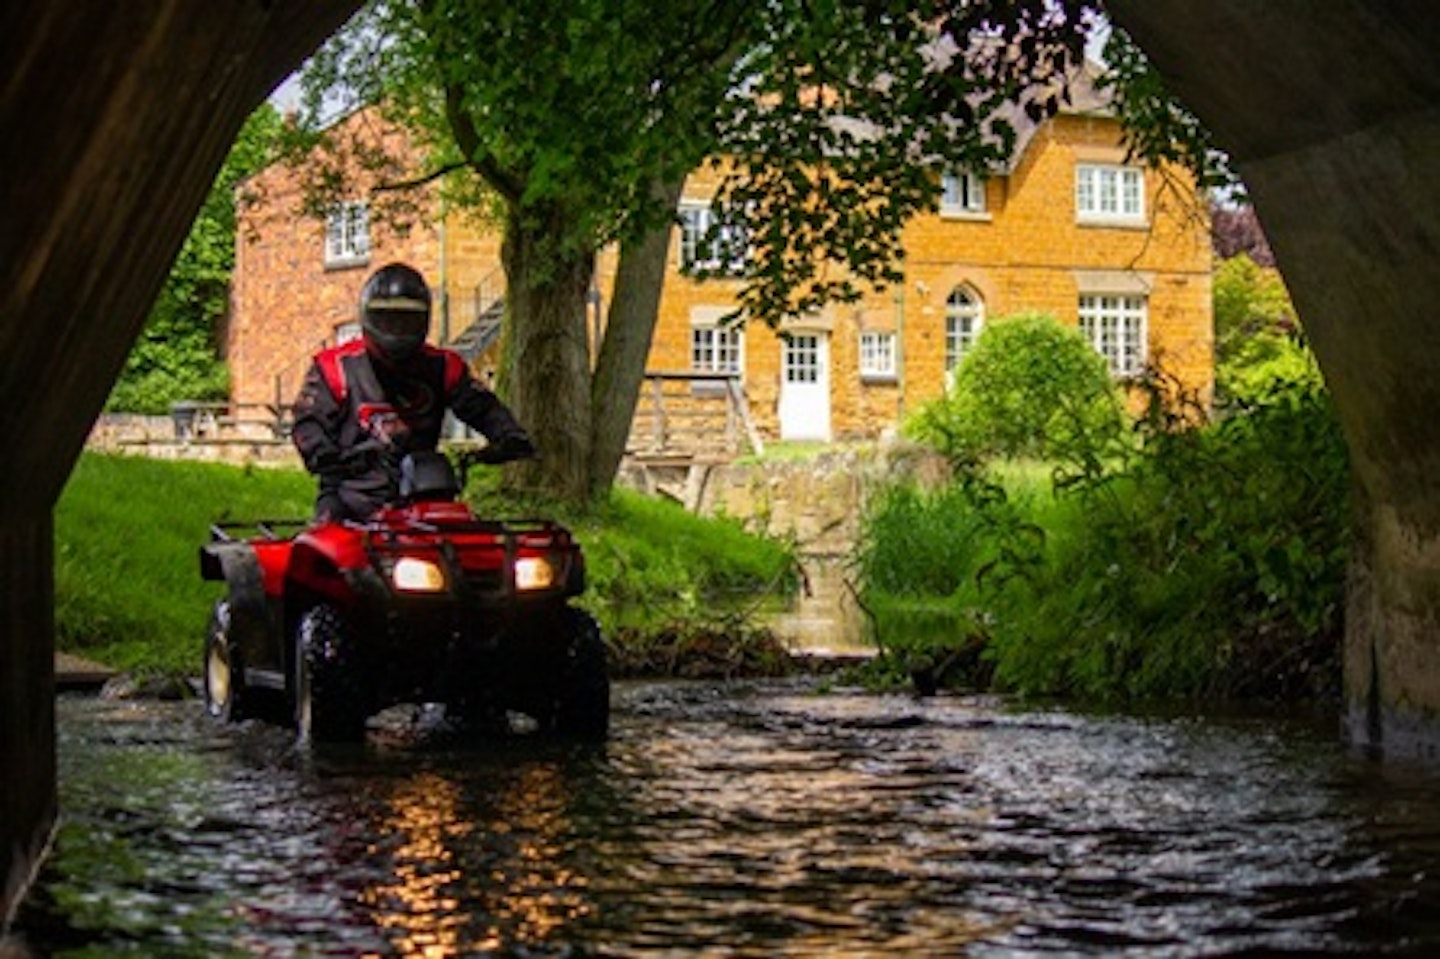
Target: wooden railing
{"type": "Point", "coordinates": [687, 415]}
{"type": "Point", "coordinates": [205, 421]}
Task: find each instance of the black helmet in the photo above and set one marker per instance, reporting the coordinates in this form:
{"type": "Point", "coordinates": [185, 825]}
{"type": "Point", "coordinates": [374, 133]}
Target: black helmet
{"type": "Point", "coordinates": [395, 312]}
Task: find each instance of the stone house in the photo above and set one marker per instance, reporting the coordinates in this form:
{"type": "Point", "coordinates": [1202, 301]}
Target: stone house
{"type": "Point", "coordinates": [1070, 227]}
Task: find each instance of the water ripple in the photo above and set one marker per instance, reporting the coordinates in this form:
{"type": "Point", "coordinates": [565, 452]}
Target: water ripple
{"type": "Point", "coordinates": [740, 820]}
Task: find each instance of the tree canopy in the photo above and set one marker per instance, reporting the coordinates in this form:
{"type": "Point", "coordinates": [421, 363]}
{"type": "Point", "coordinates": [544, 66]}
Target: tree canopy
{"type": "Point", "coordinates": [176, 355]}
{"type": "Point", "coordinates": [573, 123]}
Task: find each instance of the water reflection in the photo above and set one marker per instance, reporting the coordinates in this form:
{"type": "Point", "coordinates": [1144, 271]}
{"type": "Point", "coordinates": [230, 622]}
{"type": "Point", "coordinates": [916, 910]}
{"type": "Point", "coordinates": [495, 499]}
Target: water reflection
{"type": "Point", "coordinates": [742, 820]}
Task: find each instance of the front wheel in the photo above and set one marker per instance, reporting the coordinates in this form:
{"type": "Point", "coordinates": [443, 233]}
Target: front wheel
{"type": "Point", "coordinates": [583, 708]}
{"type": "Point", "coordinates": [329, 703]}
{"type": "Point", "coordinates": [224, 677]}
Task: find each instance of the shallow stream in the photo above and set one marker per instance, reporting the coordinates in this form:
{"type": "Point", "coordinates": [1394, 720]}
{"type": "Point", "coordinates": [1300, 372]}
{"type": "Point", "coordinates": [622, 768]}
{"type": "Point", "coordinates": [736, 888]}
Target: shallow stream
{"type": "Point", "coordinates": [747, 819]}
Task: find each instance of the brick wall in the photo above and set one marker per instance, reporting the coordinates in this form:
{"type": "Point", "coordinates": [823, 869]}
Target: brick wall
{"type": "Point", "coordinates": [1027, 252]}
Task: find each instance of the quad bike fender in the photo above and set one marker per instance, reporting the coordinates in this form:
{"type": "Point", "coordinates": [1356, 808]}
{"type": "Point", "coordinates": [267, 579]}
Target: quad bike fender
{"type": "Point", "coordinates": [331, 563]}
{"type": "Point", "coordinates": [238, 565]}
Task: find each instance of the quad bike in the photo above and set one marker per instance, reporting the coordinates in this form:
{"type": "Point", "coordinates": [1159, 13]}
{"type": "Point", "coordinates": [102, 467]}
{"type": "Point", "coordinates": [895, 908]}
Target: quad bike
{"type": "Point", "coordinates": [325, 624]}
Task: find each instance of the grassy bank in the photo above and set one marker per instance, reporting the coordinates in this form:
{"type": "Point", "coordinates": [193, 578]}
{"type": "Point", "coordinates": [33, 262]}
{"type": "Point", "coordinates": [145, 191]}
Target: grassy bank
{"type": "Point", "coordinates": [129, 594]}
{"type": "Point", "coordinates": [1199, 563]}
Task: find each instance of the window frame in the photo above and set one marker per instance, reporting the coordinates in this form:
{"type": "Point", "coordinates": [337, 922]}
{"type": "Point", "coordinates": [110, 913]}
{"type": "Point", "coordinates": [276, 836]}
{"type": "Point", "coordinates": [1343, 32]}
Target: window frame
{"type": "Point", "coordinates": [1124, 344]}
{"type": "Point", "coordinates": [1110, 194]}
{"type": "Point", "coordinates": [967, 198]}
{"type": "Point", "coordinates": [959, 340]}
{"type": "Point", "coordinates": [882, 344]}
{"type": "Point", "coordinates": [723, 357]}
{"type": "Point", "coordinates": [347, 234]}
{"type": "Point", "coordinates": [346, 332]}
{"type": "Point", "coordinates": [698, 220]}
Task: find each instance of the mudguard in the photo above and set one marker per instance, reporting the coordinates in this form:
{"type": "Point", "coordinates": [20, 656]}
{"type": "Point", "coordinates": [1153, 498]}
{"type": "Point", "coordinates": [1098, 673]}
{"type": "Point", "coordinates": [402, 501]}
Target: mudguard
{"type": "Point", "coordinates": [329, 561]}
{"type": "Point", "coordinates": [239, 566]}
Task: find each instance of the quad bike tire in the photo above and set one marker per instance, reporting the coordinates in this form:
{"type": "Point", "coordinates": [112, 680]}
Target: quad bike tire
{"type": "Point", "coordinates": [582, 706]}
{"type": "Point", "coordinates": [224, 677]}
{"type": "Point", "coordinates": [329, 705]}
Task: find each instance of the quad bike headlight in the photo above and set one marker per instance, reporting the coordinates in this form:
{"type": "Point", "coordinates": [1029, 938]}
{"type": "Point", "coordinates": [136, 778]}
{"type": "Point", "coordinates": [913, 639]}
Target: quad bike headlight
{"type": "Point", "coordinates": [534, 572]}
{"type": "Point", "coordinates": [414, 575]}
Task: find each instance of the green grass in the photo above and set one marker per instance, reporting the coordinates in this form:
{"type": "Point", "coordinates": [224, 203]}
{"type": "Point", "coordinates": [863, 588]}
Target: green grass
{"type": "Point", "coordinates": [128, 530]}
{"type": "Point", "coordinates": [789, 451]}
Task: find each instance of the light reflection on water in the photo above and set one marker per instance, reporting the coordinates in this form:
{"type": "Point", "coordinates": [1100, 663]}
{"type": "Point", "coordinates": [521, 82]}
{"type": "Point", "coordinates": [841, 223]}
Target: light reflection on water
{"type": "Point", "coordinates": [740, 820]}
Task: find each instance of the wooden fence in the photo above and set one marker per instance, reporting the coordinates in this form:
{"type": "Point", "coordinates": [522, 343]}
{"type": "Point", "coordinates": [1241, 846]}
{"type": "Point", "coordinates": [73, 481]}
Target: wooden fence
{"type": "Point", "coordinates": [690, 415]}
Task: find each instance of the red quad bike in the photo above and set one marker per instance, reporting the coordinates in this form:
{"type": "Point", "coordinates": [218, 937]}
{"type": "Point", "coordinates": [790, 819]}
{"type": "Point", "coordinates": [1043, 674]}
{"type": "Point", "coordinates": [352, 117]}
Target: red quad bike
{"type": "Point", "coordinates": [425, 602]}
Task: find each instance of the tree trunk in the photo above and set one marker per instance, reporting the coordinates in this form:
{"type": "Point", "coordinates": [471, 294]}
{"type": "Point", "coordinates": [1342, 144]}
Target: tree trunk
{"type": "Point", "coordinates": [630, 327]}
{"type": "Point", "coordinates": [116, 118]}
{"type": "Point", "coordinates": [547, 361]}
{"type": "Point", "coordinates": [1328, 111]}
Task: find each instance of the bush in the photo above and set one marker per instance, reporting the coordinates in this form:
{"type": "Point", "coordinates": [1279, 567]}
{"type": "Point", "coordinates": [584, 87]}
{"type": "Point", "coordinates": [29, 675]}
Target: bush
{"type": "Point", "coordinates": [1258, 340]}
{"type": "Point", "coordinates": [1029, 388]}
{"type": "Point", "coordinates": [1206, 562]}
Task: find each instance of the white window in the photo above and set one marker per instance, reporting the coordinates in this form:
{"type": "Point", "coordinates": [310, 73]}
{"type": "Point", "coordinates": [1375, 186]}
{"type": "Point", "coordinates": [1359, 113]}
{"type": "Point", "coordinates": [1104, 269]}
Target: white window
{"type": "Point", "coordinates": [877, 355]}
{"type": "Point", "coordinates": [347, 234]}
{"type": "Point", "coordinates": [962, 193]}
{"type": "Point", "coordinates": [801, 358]}
{"type": "Point", "coordinates": [709, 245]}
{"type": "Point", "coordinates": [1115, 326]}
{"type": "Point", "coordinates": [964, 316]}
{"type": "Point", "coordinates": [716, 349]}
{"type": "Point", "coordinates": [1111, 193]}
{"type": "Point", "coordinates": [347, 331]}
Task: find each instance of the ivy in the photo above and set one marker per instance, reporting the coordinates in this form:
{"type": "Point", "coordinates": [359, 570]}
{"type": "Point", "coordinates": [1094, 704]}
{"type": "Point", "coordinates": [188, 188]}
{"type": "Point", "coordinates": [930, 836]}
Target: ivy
{"type": "Point", "coordinates": [177, 355]}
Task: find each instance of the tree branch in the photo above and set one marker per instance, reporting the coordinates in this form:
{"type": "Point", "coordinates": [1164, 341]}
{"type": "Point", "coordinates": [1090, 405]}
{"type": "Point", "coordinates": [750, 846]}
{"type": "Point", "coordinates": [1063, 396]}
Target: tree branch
{"type": "Point", "coordinates": [467, 137]}
{"type": "Point", "coordinates": [430, 177]}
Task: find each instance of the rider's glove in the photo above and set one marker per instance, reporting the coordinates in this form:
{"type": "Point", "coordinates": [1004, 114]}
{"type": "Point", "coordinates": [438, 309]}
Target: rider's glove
{"type": "Point", "coordinates": [515, 446]}
{"type": "Point", "coordinates": [511, 446]}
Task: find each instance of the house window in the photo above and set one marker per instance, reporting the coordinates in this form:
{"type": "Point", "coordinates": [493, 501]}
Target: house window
{"type": "Point", "coordinates": [962, 193]}
{"type": "Point", "coordinates": [964, 315]}
{"type": "Point", "coordinates": [1105, 192]}
{"type": "Point", "coordinates": [716, 349]}
{"type": "Point", "coordinates": [347, 331]}
{"type": "Point", "coordinates": [708, 244]}
{"type": "Point", "coordinates": [877, 355]}
{"type": "Point", "coordinates": [347, 234]}
{"type": "Point", "coordinates": [1115, 326]}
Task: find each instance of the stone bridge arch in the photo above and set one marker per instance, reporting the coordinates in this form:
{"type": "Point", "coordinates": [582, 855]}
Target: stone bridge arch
{"type": "Point", "coordinates": [1331, 112]}
{"type": "Point", "coordinates": [115, 117]}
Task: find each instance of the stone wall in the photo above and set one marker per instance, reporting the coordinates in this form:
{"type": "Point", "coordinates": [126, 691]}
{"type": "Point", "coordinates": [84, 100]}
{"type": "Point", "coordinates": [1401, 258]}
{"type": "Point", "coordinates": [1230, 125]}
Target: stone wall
{"type": "Point", "coordinates": [818, 502]}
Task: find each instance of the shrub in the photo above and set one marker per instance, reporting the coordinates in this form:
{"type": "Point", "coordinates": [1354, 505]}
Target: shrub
{"type": "Point", "coordinates": [1258, 340]}
{"type": "Point", "coordinates": [1029, 388]}
{"type": "Point", "coordinates": [1206, 562]}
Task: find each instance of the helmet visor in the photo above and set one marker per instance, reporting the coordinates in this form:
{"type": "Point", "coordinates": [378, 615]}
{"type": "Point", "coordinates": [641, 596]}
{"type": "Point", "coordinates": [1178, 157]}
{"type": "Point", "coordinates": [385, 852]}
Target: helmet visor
{"type": "Point", "coordinates": [389, 322]}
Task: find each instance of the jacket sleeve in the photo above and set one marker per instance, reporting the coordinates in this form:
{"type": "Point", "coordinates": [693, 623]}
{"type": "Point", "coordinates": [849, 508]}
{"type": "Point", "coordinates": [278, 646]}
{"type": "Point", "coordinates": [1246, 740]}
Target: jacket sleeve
{"type": "Point", "coordinates": [481, 409]}
{"type": "Point", "coordinates": [316, 432]}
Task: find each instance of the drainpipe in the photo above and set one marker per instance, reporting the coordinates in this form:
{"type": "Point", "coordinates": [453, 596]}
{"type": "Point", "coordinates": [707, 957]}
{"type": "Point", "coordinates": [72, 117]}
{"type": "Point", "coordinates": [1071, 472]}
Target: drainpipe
{"type": "Point", "coordinates": [444, 282]}
{"type": "Point", "coordinates": [899, 353]}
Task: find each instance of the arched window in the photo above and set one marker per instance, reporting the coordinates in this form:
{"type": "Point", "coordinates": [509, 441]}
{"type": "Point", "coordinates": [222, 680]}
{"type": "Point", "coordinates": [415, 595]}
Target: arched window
{"type": "Point", "coordinates": [964, 316]}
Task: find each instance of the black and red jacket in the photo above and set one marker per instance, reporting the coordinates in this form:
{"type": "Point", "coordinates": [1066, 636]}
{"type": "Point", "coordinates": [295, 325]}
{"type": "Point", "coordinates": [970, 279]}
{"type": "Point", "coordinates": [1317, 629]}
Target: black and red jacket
{"type": "Point", "coordinates": [356, 416]}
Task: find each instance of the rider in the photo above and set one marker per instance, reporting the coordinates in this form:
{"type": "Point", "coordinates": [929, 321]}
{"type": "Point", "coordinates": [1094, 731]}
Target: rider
{"type": "Point", "coordinates": [366, 403]}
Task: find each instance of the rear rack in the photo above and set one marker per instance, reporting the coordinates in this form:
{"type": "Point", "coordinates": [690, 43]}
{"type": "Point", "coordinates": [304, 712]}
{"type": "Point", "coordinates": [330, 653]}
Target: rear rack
{"type": "Point", "coordinates": [225, 532]}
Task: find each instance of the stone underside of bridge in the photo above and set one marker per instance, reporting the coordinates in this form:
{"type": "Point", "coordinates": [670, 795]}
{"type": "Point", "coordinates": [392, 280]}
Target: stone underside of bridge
{"type": "Point", "coordinates": [116, 117]}
{"type": "Point", "coordinates": [1329, 111]}
{"type": "Point", "coordinates": [27, 718]}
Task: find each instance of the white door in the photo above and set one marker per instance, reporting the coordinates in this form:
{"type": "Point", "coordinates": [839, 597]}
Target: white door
{"type": "Point", "coordinates": [805, 387]}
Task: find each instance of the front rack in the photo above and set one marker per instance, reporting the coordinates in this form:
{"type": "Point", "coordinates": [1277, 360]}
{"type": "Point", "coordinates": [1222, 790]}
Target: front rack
{"type": "Point", "coordinates": [229, 531]}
